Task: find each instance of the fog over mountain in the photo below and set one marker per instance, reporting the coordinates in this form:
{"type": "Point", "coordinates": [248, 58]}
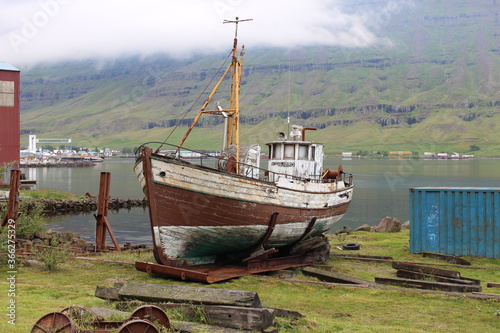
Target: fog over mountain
{"type": "Point", "coordinates": [34, 31]}
{"type": "Point", "coordinates": [369, 74]}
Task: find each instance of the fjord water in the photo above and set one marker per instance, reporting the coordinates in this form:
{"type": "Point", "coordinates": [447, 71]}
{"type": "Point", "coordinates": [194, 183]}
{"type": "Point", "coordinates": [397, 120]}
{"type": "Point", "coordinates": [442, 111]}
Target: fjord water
{"type": "Point", "coordinates": [381, 189]}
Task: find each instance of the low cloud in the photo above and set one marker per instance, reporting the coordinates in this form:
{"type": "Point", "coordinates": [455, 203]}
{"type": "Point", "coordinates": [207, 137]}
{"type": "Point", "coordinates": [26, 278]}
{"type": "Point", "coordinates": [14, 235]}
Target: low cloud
{"type": "Point", "coordinates": [34, 31]}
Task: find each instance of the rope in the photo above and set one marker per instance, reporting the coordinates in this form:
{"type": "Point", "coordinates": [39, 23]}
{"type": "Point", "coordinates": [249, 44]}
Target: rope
{"type": "Point", "coordinates": [195, 102]}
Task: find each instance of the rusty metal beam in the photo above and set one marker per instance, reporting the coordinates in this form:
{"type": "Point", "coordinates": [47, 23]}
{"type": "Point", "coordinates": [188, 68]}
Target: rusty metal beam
{"type": "Point", "coordinates": [215, 273]}
{"type": "Point", "coordinates": [176, 272]}
{"type": "Point", "coordinates": [258, 252]}
{"type": "Point", "coordinates": [102, 224]}
{"type": "Point", "coordinates": [13, 206]}
{"type": "Point", "coordinates": [304, 235]}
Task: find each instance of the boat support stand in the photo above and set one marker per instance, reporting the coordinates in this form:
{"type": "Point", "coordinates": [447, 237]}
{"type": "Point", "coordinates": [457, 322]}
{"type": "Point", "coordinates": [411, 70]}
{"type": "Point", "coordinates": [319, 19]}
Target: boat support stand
{"type": "Point", "coordinates": [303, 252]}
{"type": "Point", "coordinates": [102, 224]}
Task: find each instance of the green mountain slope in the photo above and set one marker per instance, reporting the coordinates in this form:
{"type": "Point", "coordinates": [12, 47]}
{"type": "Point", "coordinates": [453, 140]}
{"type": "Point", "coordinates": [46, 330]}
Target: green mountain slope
{"type": "Point", "coordinates": [432, 84]}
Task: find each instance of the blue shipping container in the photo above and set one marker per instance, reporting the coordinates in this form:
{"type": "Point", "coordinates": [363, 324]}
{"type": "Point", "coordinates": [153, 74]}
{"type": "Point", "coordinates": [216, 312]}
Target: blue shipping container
{"type": "Point", "coordinates": [460, 221]}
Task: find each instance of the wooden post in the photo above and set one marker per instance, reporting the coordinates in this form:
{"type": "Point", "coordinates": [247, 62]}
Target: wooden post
{"type": "Point", "coordinates": [102, 223]}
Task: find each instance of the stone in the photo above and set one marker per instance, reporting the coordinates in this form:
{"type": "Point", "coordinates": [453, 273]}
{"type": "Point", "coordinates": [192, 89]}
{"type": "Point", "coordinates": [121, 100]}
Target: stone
{"type": "Point", "coordinates": [51, 232]}
{"type": "Point", "coordinates": [389, 224]}
{"type": "Point", "coordinates": [344, 230]}
{"type": "Point", "coordinates": [33, 263]}
{"type": "Point", "coordinates": [42, 235]}
{"type": "Point", "coordinates": [364, 227]}
{"type": "Point", "coordinates": [405, 225]}
{"type": "Point", "coordinates": [68, 236]}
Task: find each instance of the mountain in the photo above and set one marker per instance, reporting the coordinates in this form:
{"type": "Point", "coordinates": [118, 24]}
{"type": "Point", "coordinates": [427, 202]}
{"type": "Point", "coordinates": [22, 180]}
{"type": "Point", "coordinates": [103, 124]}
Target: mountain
{"type": "Point", "coordinates": [430, 84]}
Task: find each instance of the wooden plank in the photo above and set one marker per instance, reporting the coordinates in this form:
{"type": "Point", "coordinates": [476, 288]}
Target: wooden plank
{"type": "Point", "coordinates": [422, 276]}
{"type": "Point", "coordinates": [474, 281]}
{"type": "Point", "coordinates": [350, 257]}
{"type": "Point", "coordinates": [427, 270]}
{"type": "Point", "coordinates": [326, 284]}
{"type": "Point", "coordinates": [226, 316]}
{"type": "Point", "coordinates": [487, 296]}
{"type": "Point", "coordinates": [448, 258]}
{"type": "Point", "coordinates": [428, 285]}
{"type": "Point", "coordinates": [493, 285]}
{"type": "Point", "coordinates": [193, 295]}
{"type": "Point", "coordinates": [328, 276]}
{"type": "Point", "coordinates": [359, 256]}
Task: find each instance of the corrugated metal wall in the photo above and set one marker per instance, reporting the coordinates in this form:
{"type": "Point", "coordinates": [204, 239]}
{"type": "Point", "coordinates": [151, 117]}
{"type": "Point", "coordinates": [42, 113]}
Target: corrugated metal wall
{"type": "Point", "coordinates": [10, 116]}
{"type": "Point", "coordinates": [455, 221]}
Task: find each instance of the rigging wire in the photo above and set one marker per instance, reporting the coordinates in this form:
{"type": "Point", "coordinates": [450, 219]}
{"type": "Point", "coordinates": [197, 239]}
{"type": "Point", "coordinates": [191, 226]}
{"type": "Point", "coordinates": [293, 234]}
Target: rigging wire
{"type": "Point", "coordinates": [289, 91]}
{"type": "Point", "coordinates": [195, 102]}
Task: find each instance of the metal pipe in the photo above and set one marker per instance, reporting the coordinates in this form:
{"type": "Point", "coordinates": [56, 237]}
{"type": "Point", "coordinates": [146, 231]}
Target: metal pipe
{"type": "Point", "coordinates": [304, 132]}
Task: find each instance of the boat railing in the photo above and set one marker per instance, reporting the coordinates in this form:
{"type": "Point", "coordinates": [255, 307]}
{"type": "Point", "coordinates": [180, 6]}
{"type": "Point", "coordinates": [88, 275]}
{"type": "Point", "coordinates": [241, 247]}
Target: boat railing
{"type": "Point", "coordinates": [250, 171]}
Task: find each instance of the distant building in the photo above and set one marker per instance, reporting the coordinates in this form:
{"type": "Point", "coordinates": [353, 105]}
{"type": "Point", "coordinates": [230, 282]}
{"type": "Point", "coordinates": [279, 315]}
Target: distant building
{"type": "Point", "coordinates": [347, 155]}
{"type": "Point", "coordinates": [400, 152]}
{"type": "Point", "coordinates": [442, 155]}
{"type": "Point", "coordinates": [10, 81]}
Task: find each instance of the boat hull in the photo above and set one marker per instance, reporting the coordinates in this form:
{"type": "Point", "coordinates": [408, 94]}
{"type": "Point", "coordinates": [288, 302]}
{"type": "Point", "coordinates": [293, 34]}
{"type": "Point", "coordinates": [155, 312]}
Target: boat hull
{"type": "Point", "coordinates": [199, 214]}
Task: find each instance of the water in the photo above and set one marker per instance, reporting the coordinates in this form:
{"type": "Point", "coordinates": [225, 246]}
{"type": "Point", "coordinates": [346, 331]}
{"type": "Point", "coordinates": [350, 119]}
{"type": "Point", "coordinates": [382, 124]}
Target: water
{"type": "Point", "coordinates": [128, 225]}
{"type": "Point", "coordinates": [382, 185]}
{"type": "Point", "coordinates": [381, 189]}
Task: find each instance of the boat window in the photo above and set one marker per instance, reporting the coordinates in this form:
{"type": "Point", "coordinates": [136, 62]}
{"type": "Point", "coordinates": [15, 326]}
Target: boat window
{"type": "Point", "coordinates": [277, 152]}
{"type": "Point", "coordinates": [313, 152]}
{"type": "Point", "coordinates": [303, 151]}
{"type": "Point", "coordinates": [289, 151]}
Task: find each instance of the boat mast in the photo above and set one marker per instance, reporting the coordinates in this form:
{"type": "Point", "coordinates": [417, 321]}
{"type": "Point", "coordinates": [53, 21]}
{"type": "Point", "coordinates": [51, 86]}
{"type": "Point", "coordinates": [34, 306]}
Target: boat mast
{"type": "Point", "coordinates": [233, 127]}
{"type": "Point", "coordinates": [232, 115]}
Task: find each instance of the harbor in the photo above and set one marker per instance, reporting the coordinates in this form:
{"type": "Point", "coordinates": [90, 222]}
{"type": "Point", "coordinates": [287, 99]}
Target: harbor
{"type": "Point", "coordinates": [382, 190]}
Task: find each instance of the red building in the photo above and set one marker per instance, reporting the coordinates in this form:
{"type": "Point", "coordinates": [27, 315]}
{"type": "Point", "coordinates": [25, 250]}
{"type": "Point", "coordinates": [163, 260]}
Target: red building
{"type": "Point", "coordinates": [10, 81]}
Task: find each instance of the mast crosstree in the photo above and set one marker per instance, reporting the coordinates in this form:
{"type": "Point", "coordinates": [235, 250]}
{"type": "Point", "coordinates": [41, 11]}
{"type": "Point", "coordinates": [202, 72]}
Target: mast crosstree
{"type": "Point", "coordinates": [231, 115]}
{"type": "Point", "coordinates": [236, 21]}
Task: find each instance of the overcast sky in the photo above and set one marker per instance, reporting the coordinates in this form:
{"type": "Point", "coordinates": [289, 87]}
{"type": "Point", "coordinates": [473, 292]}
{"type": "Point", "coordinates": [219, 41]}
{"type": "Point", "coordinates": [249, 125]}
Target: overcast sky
{"type": "Point", "coordinates": [34, 31]}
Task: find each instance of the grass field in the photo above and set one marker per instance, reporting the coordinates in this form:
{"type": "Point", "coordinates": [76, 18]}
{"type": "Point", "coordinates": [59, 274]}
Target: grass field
{"type": "Point", "coordinates": [327, 308]}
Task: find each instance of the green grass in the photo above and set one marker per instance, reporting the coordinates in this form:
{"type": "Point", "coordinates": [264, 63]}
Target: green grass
{"type": "Point", "coordinates": [50, 194]}
{"type": "Point", "coordinates": [327, 309]}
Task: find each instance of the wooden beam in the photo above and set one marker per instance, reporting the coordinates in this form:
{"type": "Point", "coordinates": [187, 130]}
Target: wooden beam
{"type": "Point", "coordinates": [227, 316]}
{"type": "Point", "coordinates": [329, 276]}
{"type": "Point", "coordinates": [428, 285]}
{"type": "Point", "coordinates": [422, 276]}
{"type": "Point", "coordinates": [359, 256]}
{"type": "Point", "coordinates": [427, 270]}
{"type": "Point", "coordinates": [487, 296]}
{"type": "Point", "coordinates": [350, 257]}
{"type": "Point", "coordinates": [193, 295]}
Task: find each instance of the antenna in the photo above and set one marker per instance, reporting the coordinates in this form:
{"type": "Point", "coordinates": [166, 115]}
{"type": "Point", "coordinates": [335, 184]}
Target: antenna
{"type": "Point", "coordinates": [236, 21]}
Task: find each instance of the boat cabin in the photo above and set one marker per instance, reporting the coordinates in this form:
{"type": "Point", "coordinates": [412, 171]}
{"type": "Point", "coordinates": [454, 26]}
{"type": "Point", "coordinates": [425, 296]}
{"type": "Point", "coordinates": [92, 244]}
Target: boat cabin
{"type": "Point", "coordinates": [295, 157]}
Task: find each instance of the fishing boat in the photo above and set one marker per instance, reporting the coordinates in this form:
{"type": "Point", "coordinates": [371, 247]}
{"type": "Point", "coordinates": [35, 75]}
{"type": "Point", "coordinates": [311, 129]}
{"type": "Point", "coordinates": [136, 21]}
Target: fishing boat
{"type": "Point", "coordinates": [236, 212]}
